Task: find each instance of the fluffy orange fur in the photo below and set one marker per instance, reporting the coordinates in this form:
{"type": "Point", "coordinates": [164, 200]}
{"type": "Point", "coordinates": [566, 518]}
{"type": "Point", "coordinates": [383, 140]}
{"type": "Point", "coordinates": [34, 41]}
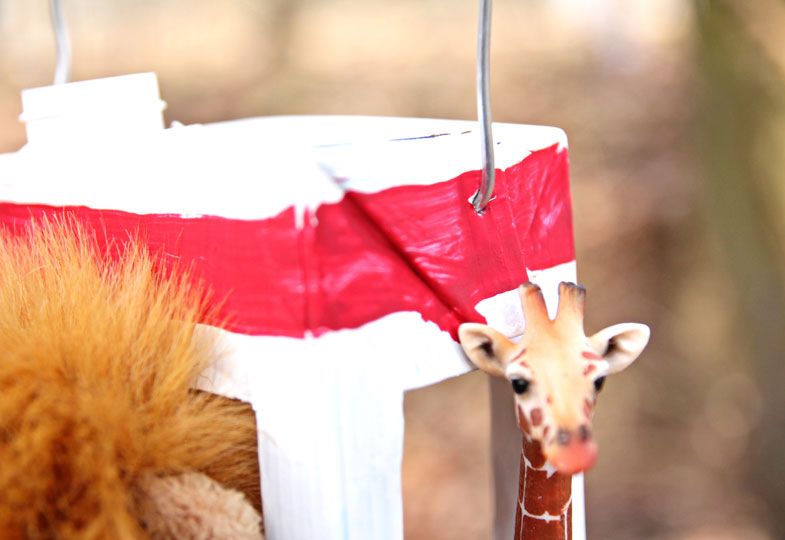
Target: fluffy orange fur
{"type": "Point", "coordinates": [98, 353]}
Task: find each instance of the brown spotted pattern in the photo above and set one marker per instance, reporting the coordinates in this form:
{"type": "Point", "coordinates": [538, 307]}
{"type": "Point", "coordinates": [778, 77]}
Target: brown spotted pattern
{"type": "Point", "coordinates": [536, 417]}
{"type": "Point", "coordinates": [544, 498]}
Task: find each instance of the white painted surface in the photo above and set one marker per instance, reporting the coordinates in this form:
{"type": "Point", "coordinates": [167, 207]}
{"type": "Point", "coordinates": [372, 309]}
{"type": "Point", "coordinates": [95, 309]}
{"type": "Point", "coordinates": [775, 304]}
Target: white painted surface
{"type": "Point", "coordinates": [252, 169]}
{"type": "Point", "coordinates": [245, 170]}
{"type": "Point", "coordinates": [101, 144]}
{"type": "Point", "coordinates": [87, 111]}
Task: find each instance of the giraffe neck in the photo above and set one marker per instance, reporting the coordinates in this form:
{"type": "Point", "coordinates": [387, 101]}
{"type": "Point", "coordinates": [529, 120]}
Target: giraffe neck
{"type": "Point", "coordinates": [544, 510]}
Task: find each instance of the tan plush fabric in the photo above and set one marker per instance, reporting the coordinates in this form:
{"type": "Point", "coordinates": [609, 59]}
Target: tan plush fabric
{"type": "Point", "coordinates": [194, 507]}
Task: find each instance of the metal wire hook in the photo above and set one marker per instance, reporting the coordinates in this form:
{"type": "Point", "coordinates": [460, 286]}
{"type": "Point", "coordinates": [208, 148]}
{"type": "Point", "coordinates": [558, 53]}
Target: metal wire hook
{"type": "Point", "coordinates": [63, 67]}
{"type": "Point", "coordinates": [483, 195]}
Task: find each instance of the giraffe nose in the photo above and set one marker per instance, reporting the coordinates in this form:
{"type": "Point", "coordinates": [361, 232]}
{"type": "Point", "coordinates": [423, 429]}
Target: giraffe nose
{"type": "Point", "coordinates": [574, 451]}
{"type": "Point", "coordinates": [564, 436]}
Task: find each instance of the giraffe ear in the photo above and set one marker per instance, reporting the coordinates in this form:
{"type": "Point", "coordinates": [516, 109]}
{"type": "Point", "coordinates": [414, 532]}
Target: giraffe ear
{"type": "Point", "coordinates": [487, 348]}
{"type": "Point", "coordinates": [620, 344]}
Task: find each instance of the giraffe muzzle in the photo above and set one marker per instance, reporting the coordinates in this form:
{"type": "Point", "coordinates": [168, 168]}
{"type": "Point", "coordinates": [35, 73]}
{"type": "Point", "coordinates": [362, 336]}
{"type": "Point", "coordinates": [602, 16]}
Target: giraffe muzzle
{"type": "Point", "coordinates": [572, 455]}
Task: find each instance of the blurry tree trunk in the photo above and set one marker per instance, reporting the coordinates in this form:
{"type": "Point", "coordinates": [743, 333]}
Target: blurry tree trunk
{"type": "Point", "coordinates": [742, 146]}
{"type": "Point", "coordinates": [283, 16]}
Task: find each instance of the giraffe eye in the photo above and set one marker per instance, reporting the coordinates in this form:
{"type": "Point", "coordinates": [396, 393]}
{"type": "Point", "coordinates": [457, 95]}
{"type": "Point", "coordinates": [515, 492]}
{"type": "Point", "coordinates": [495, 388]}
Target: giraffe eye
{"type": "Point", "coordinates": [520, 385]}
{"type": "Point", "coordinates": [599, 382]}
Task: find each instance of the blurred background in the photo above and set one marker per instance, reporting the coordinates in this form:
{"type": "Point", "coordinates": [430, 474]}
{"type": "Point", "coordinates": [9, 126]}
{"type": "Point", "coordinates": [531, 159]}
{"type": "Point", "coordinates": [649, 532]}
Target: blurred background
{"type": "Point", "coordinates": [675, 112]}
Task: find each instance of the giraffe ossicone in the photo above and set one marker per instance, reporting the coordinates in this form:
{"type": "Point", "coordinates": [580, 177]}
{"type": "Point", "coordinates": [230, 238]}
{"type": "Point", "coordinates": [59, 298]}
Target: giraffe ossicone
{"type": "Point", "coordinates": [556, 372]}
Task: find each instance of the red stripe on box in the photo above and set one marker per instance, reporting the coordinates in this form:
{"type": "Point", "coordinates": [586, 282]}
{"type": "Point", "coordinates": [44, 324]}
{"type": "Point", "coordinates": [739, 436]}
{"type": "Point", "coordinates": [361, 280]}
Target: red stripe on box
{"type": "Point", "coordinates": [408, 248]}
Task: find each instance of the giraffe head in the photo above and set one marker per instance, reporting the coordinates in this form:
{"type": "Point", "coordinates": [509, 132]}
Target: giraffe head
{"type": "Point", "coordinates": [556, 371]}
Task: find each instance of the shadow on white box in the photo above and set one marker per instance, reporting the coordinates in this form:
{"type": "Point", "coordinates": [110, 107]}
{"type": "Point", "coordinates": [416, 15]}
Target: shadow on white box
{"type": "Point", "coordinates": [330, 469]}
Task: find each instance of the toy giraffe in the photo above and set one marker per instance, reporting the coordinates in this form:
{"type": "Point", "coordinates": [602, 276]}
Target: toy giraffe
{"type": "Point", "coordinates": [556, 373]}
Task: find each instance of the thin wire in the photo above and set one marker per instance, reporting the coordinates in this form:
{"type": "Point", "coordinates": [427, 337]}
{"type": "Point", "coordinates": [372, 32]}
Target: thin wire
{"type": "Point", "coordinates": [483, 196]}
{"type": "Point", "coordinates": [63, 68]}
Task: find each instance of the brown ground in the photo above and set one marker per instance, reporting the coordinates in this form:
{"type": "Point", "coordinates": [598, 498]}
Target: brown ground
{"type": "Point", "coordinates": [669, 428]}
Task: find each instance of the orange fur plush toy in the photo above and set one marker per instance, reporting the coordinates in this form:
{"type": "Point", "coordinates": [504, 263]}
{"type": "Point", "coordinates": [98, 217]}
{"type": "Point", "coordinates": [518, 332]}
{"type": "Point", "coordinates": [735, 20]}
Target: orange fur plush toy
{"type": "Point", "coordinates": [101, 434]}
